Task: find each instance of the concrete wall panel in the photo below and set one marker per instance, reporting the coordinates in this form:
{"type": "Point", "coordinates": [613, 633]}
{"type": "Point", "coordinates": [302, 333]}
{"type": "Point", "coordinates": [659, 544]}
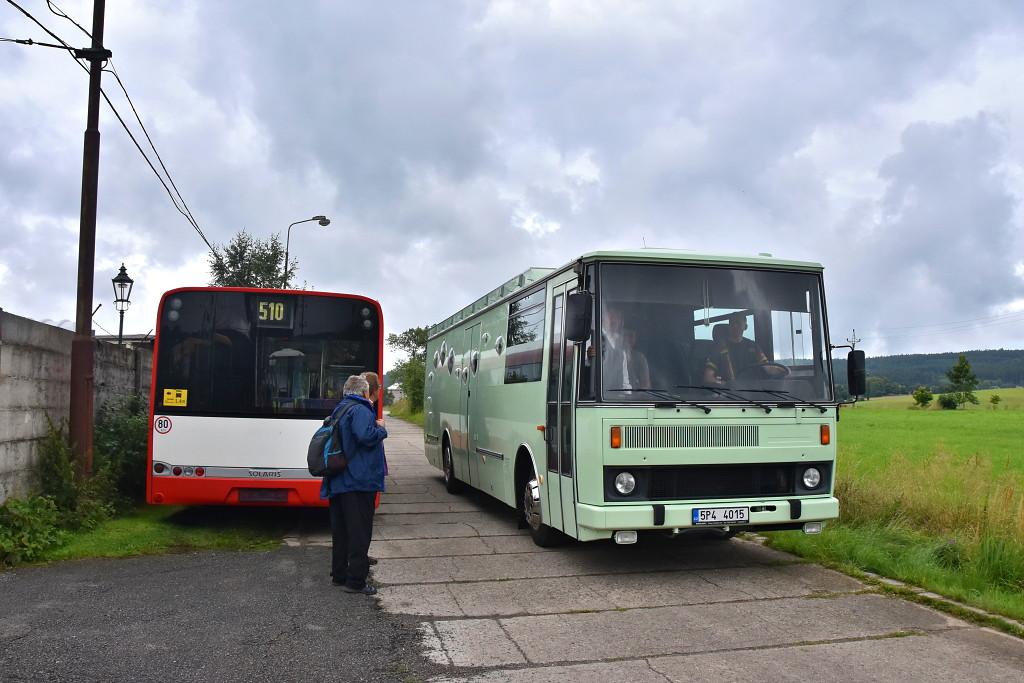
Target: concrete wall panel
{"type": "Point", "coordinates": [26, 332]}
{"type": "Point", "coordinates": [35, 382]}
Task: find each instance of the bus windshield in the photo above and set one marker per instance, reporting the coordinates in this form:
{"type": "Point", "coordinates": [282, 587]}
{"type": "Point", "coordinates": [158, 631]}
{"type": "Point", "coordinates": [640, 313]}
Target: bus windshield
{"type": "Point", "coordinates": [711, 335]}
{"type": "Point", "coordinates": [260, 354]}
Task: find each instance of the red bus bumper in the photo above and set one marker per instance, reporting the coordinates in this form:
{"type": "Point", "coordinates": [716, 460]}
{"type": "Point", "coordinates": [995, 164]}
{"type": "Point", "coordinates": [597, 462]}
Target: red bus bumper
{"type": "Point", "coordinates": [218, 491]}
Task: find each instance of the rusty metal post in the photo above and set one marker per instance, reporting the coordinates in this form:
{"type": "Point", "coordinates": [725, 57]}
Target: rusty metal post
{"type": "Point", "coordinates": [82, 343]}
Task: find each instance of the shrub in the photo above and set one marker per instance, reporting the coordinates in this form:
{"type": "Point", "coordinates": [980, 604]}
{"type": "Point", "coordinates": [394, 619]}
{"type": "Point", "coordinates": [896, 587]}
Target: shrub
{"type": "Point", "coordinates": [922, 396]}
{"type": "Point", "coordinates": [79, 504]}
{"type": "Point", "coordinates": [27, 529]}
{"type": "Point", "coordinates": [122, 429]}
{"type": "Point", "coordinates": [948, 402]}
{"type": "Point", "coordinates": [54, 470]}
{"type": "Point", "coordinates": [994, 399]}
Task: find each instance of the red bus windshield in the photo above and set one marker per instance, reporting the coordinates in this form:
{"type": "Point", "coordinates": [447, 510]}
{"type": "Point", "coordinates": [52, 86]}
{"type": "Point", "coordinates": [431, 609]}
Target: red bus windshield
{"type": "Point", "coordinates": [260, 354]}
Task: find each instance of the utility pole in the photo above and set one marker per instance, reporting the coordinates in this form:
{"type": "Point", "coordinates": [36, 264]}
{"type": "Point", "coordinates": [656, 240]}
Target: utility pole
{"type": "Point", "coordinates": [853, 340]}
{"type": "Point", "coordinates": [82, 343]}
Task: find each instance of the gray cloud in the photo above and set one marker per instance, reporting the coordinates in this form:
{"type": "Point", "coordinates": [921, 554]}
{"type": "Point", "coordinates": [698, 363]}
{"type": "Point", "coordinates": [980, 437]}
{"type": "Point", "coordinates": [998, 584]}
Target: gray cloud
{"type": "Point", "coordinates": [456, 144]}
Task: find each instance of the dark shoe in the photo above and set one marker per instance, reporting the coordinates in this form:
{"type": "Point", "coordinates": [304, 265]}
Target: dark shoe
{"type": "Point", "coordinates": [373, 561]}
{"type": "Point", "coordinates": [337, 583]}
{"type": "Point", "coordinates": [365, 590]}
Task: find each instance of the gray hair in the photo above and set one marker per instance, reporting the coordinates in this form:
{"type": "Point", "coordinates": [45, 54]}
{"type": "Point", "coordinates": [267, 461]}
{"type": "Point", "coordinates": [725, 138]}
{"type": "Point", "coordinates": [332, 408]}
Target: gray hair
{"type": "Point", "coordinates": [356, 385]}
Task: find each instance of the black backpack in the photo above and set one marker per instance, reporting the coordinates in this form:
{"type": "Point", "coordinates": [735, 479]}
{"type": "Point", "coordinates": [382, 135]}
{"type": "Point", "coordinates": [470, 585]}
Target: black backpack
{"type": "Point", "coordinates": [324, 458]}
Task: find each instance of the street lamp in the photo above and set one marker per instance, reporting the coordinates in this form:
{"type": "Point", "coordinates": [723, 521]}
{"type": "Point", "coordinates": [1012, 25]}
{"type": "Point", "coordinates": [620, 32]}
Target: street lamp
{"type": "Point", "coordinates": [324, 221]}
{"type": "Point", "coordinates": [122, 292]}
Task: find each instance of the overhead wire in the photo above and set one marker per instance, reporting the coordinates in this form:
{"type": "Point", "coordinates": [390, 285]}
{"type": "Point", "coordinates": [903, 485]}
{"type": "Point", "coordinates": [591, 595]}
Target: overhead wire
{"type": "Point", "coordinates": [113, 71]}
{"type": "Point", "coordinates": [60, 13]}
{"type": "Point", "coordinates": [186, 212]}
{"type": "Point", "coordinates": [29, 41]}
{"type": "Point", "coordinates": [40, 25]}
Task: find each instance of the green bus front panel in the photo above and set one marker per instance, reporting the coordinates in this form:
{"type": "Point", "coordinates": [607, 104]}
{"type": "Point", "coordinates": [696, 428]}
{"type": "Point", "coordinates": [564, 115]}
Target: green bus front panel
{"type": "Point", "coordinates": [741, 457]}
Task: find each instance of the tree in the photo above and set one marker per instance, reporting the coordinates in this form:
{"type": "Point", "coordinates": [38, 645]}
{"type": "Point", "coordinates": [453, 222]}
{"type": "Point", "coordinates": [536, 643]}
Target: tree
{"type": "Point", "coordinates": [412, 342]}
{"type": "Point", "coordinates": [962, 382]}
{"type": "Point", "coordinates": [410, 372]}
{"type": "Point", "coordinates": [922, 396]}
{"type": "Point", "coordinates": [248, 261]}
{"type": "Point", "coordinates": [994, 399]}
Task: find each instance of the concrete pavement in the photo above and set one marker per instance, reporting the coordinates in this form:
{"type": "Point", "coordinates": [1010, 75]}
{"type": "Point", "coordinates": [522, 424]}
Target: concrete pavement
{"type": "Point", "coordinates": [494, 607]}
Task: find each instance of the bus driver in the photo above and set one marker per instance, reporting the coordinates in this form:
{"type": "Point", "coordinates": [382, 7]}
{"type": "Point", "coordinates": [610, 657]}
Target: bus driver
{"type": "Point", "coordinates": [735, 354]}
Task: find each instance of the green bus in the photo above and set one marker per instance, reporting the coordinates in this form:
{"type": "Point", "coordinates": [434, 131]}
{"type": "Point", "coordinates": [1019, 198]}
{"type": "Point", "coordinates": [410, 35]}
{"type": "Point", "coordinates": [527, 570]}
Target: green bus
{"type": "Point", "coordinates": [638, 391]}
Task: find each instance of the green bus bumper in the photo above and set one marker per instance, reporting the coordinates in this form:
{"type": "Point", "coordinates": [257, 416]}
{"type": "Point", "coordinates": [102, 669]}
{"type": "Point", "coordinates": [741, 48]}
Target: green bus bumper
{"type": "Point", "coordinates": [601, 521]}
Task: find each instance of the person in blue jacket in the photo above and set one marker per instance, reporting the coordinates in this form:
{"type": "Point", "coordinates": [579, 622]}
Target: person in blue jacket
{"type": "Point", "coordinates": [351, 492]}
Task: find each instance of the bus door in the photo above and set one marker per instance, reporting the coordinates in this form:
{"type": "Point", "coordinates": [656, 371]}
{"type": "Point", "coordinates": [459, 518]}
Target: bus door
{"type": "Point", "coordinates": [468, 404]}
{"type": "Point", "coordinates": [561, 511]}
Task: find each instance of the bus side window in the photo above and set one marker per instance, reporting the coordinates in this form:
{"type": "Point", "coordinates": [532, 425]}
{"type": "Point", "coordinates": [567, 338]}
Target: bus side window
{"type": "Point", "coordinates": [588, 366]}
{"type": "Point", "coordinates": [524, 354]}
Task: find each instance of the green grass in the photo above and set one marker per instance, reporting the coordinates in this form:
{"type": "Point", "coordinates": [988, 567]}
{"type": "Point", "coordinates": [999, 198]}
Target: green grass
{"type": "Point", "coordinates": [931, 497]}
{"type": "Point", "coordinates": [152, 530]}
{"type": "Point", "coordinates": [400, 409]}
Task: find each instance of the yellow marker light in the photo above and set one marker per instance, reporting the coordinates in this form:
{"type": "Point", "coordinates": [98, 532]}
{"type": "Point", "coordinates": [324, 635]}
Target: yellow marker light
{"type": "Point", "coordinates": [826, 435]}
{"type": "Point", "coordinates": [616, 437]}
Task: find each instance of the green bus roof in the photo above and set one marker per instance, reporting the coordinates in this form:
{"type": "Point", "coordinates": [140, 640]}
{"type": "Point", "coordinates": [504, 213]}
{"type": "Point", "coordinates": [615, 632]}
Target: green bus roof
{"type": "Point", "coordinates": [696, 258]}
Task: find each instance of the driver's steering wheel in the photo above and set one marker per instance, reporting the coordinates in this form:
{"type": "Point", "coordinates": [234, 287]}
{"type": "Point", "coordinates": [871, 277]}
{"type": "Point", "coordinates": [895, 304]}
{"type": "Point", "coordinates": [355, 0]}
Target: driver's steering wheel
{"type": "Point", "coordinates": [758, 371]}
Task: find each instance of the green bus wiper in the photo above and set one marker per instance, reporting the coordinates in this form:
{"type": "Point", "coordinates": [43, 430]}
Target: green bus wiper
{"type": "Point", "coordinates": [790, 396]}
{"type": "Point", "coordinates": [727, 394]}
{"type": "Point", "coordinates": [667, 397]}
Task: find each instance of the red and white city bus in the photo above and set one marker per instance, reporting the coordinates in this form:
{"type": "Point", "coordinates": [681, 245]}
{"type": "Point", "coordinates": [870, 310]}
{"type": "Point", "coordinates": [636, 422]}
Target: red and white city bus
{"type": "Point", "coordinates": [241, 379]}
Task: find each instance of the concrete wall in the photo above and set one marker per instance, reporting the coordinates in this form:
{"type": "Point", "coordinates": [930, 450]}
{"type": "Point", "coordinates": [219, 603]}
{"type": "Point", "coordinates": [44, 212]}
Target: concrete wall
{"type": "Point", "coordinates": [35, 371]}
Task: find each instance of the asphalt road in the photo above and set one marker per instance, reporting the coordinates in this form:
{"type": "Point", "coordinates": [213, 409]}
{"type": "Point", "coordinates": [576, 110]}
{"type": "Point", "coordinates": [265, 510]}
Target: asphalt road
{"type": "Point", "coordinates": [196, 617]}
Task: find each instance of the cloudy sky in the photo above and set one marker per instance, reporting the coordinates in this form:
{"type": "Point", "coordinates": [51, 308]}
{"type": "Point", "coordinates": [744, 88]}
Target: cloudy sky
{"type": "Point", "coordinates": [454, 144]}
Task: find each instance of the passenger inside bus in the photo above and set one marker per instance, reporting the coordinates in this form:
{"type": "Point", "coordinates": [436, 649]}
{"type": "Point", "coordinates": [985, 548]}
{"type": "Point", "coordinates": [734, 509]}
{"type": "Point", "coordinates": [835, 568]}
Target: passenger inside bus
{"type": "Point", "coordinates": [623, 365]}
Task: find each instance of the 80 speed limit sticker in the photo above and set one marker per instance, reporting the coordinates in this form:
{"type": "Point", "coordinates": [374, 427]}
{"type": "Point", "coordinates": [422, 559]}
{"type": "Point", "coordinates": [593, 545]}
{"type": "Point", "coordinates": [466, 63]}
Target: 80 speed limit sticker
{"type": "Point", "coordinates": [162, 424]}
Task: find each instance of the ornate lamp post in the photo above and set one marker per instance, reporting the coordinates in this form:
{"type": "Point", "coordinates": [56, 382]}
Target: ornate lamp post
{"type": "Point", "coordinates": [324, 221]}
{"type": "Point", "coordinates": [122, 292]}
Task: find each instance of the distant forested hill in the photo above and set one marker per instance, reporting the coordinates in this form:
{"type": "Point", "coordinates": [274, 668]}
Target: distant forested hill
{"type": "Point", "coordinates": [904, 373]}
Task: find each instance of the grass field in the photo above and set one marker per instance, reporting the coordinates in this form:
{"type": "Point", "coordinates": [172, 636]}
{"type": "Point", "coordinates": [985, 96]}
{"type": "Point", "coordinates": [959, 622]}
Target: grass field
{"type": "Point", "coordinates": [933, 497]}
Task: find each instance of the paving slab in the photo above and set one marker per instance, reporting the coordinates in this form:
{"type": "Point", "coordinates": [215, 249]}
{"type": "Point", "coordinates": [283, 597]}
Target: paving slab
{"type": "Point", "coordinates": [450, 530]}
{"type": "Point", "coordinates": [477, 643]}
{"type": "Point", "coordinates": [699, 628]}
{"type": "Point", "coordinates": [444, 518]}
{"type": "Point", "coordinates": [781, 581]}
{"type": "Point", "coordinates": [432, 547]}
{"type": "Point", "coordinates": [414, 497]}
{"type": "Point", "coordinates": [603, 592]}
{"type": "Point", "coordinates": [963, 655]}
{"type": "Point", "coordinates": [453, 546]}
{"type": "Point", "coordinates": [389, 508]}
{"type": "Point", "coordinates": [660, 631]}
{"type": "Point", "coordinates": [572, 561]}
{"type": "Point", "coordinates": [631, 671]}
{"type": "Point", "coordinates": [392, 487]}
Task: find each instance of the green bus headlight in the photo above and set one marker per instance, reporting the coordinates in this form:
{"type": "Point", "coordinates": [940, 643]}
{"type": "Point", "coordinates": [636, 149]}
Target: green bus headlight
{"type": "Point", "coordinates": [625, 483]}
{"type": "Point", "coordinates": [812, 477]}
